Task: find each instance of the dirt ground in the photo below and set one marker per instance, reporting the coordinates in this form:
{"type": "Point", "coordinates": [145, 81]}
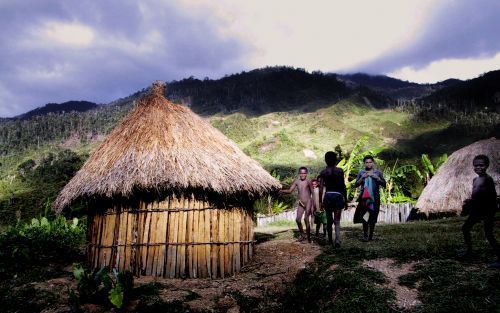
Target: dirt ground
{"type": "Point", "coordinates": [257, 287]}
{"type": "Point", "coordinates": [259, 283]}
{"type": "Point", "coordinates": [406, 298]}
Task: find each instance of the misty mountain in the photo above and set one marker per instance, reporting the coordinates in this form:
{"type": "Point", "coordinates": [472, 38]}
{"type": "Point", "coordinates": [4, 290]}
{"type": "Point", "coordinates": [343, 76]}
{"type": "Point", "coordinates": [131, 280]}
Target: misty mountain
{"type": "Point", "coordinates": [481, 93]}
{"type": "Point", "coordinates": [394, 88]}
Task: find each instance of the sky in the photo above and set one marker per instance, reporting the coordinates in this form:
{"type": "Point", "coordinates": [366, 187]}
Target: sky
{"type": "Point", "coordinates": [61, 50]}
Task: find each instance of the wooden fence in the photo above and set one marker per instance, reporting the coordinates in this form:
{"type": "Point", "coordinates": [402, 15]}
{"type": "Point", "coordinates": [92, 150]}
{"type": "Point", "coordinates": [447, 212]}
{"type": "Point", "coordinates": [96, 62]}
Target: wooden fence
{"type": "Point", "coordinates": [391, 213]}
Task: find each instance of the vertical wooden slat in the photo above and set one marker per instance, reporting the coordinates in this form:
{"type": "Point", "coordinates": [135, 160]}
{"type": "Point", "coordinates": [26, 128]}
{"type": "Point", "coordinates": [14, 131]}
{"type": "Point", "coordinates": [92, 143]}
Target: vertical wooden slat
{"type": "Point", "coordinates": [202, 262]}
{"type": "Point", "coordinates": [152, 240]}
{"type": "Point", "coordinates": [242, 238]}
{"type": "Point", "coordinates": [157, 239]}
{"type": "Point", "coordinates": [119, 251]}
{"type": "Point", "coordinates": [170, 253]}
{"type": "Point", "coordinates": [196, 214]}
{"type": "Point", "coordinates": [226, 246]}
{"type": "Point", "coordinates": [134, 255]}
{"type": "Point", "coordinates": [230, 228]}
{"type": "Point", "coordinates": [222, 223]}
{"type": "Point", "coordinates": [162, 234]}
{"type": "Point", "coordinates": [237, 237]}
{"type": "Point", "coordinates": [110, 219]}
{"type": "Point", "coordinates": [102, 238]}
{"type": "Point", "coordinates": [145, 240]}
{"type": "Point", "coordinates": [169, 248]}
{"type": "Point", "coordinates": [213, 238]}
{"type": "Point", "coordinates": [175, 220]}
{"type": "Point", "coordinates": [129, 240]}
{"type": "Point", "coordinates": [181, 250]}
{"type": "Point", "coordinates": [208, 222]}
{"type": "Point", "coordinates": [183, 228]}
{"type": "Point", "coordinates": [189, 238]}
{"type": "Point", "coordinates": [250, 237]}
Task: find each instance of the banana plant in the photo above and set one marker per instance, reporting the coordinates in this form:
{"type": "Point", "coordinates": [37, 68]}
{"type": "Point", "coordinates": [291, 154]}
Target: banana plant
{"type": "Point", "coordinates": [395, 177]}
{"type": "Point", "coordinates": [430, 169]}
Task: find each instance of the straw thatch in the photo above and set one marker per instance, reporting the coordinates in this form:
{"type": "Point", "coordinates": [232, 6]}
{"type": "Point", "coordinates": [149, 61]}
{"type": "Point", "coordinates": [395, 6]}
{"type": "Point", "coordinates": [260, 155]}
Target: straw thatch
{"type": "Point", "coordinates": [164, 148]}
{"type": "Point", "coordinates": [452, 184]}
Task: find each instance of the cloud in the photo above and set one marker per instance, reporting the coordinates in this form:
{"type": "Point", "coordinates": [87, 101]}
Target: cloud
{"type": "Point", "coordinates": [448, 68]}
{"type": "Point", "coordinates": [59, 50]}
{"type": "Point", "coordinates": [99, 51]}
{"type": "Point", "coordinates": [71, 34]}
{"type": "Point", "coordinates": [326, 35]}
{"type": "Point", "coordinates": [457, 30]}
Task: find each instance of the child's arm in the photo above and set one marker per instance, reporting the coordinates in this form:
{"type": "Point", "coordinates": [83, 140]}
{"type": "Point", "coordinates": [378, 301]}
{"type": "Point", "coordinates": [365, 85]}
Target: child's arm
{"type": "Point", "coordinates": [360, 179]}
{"type": "Point", "coordinates": [380, 179]}
{"type": "Point", "coordinates": [291, 189]}
{"type": "Point", "coordinates": [344, 190]}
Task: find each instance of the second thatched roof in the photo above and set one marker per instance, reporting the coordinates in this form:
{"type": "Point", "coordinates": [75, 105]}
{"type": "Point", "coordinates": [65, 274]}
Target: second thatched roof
{"type": "Point", "coordinates": [452, 184]}
{"type": "Point", "coordinates": [164, 147]}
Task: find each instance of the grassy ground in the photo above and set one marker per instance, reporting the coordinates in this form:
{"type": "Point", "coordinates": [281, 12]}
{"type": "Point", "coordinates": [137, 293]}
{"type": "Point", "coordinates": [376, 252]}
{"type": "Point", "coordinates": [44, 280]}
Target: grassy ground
{"type": "Point", "coordinates": [339, 282]}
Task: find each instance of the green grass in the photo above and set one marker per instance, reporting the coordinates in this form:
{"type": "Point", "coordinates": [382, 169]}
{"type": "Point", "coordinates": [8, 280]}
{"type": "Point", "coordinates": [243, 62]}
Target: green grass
{"type": "Point", "coordinates": [444, 284]}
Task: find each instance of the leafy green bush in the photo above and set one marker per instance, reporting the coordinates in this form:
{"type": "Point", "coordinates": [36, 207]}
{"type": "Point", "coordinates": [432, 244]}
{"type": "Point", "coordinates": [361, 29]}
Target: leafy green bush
{"type": "Point", "coordinates": [40, 242]}
{"type": "Point", "coordinates": [100, 284]}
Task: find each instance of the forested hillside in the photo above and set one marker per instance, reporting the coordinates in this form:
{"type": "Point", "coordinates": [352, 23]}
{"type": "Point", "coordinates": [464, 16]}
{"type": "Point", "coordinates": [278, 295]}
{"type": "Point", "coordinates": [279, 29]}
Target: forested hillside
{"type": "Point", "coordinates": [253, 93]}
{"type": "Point", "coordinates": [394, 88]}
{"type": "Point", "coordinates": [282, 117]}
{"type": "Point", "coordinates": [479, 94]}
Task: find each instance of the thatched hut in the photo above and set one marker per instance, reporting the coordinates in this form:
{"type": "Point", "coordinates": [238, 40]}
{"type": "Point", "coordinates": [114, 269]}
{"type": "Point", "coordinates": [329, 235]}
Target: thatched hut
{"type": "Point", "coordinates": [452, 183]}
{"type": "Point", "coordinates": [168, 195]}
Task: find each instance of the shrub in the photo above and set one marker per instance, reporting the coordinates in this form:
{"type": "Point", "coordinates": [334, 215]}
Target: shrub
{"type": "Point", "coordinates": [40, 242]}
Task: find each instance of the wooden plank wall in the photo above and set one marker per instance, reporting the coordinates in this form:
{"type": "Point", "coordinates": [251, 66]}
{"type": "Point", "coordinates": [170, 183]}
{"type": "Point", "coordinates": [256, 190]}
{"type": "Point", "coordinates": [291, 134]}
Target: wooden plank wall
{"type": "Point", "coordinates": [174, 238]}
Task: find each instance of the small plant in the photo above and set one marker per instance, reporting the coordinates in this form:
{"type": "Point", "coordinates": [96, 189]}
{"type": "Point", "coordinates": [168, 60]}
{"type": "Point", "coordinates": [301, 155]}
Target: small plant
{"type": "Point", "coordinates": [100, 284]}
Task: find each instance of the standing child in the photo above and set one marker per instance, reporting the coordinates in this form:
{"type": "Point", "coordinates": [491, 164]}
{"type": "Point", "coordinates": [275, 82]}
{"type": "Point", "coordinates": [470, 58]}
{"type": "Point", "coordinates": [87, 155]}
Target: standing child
{"type": "Point", "coordinates": [334, 198]}
{"type": "Point", "coordinates": [319, 213]}
{"type": "Point", "coordinates": [304, 203]}
{"type": "Point", "coordinates": [483, 206]}
{"type": "Point", "coordinates": [370, 180]}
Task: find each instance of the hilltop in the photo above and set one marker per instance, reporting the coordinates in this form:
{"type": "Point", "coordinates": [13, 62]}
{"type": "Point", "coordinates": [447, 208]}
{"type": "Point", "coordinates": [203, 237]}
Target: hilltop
{"type": "Point", "coordinates": [59, 108]}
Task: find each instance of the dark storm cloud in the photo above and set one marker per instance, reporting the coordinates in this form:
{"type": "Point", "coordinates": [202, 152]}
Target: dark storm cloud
{"type": "Point", "coordinates": [460, 29]}
{"type": "Point", "coordinates": [135, 43]}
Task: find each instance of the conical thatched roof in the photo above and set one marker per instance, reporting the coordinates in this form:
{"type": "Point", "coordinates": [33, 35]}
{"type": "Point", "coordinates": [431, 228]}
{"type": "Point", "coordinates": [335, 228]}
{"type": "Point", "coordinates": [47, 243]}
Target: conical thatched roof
{"type": "Point", "coordinates": [162, 147]}
{"type": "Point", "coordinates": [452, 184]}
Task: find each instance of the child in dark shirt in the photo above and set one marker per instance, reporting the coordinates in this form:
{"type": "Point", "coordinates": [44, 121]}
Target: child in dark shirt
{"type": "Point", "coordinates": [483, 206]}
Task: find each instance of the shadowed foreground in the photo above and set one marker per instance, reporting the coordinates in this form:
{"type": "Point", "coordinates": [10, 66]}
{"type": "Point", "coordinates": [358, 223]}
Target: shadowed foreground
{"type": "Point", "coordinates": [410, 268]}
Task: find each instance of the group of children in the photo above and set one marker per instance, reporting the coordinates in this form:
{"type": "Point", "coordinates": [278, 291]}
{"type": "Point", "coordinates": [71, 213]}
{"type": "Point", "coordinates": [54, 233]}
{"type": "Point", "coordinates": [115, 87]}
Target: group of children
{"type": "Point", "coordinates": [324, 197]}
{"type": "Point", "coordinates": [309, 205]}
